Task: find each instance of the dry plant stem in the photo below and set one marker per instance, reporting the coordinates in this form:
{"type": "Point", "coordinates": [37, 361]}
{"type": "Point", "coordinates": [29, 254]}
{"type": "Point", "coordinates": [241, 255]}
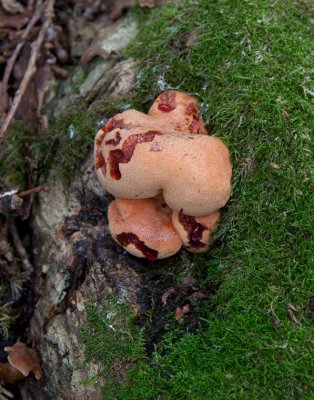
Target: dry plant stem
{"type": "Point", "coordinates": [5, 394]}
{"type": "Point", "coordinates": [31, 67]}
{"type": "Point", "coordinates": [16, 52]}
{"type": "Point", "coordinates": [30, 5]}
{"type": "Point", "coordinates": [20, 248]}
{"type": "Point", "coordinates": [30, 191]}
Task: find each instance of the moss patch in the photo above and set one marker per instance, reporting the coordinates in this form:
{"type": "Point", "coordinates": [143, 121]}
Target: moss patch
{"type": "Point", "coordinates": [113, 340]}
{"type": "Point", "coordinates": [249, 63]}
{"type": "Point", "coordinates": [60, 150]}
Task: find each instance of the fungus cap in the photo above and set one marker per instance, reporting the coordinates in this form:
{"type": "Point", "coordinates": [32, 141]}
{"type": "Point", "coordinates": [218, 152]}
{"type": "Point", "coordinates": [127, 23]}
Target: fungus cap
{"type": "Point", "coordinates": [192, 171]}
{"type": "Point", "coordinates": [179, 111]}
{"type": "Point", "coordinates": [24, 359]}
{"type": "Point", "coordinates": [144, 228]}
{"type": "Point", "coordinates": [195, 232]}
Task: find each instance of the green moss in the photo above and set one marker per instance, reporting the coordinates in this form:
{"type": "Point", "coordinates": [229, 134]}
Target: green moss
{"type": "Point", "coordinates": [60, 150]}
{"type": "Point", "coordinates": [113, 340]}
{"type": "Point", "coordinates": [12, 160]}
{"type": "Point", "coordinates": [6, 320]}
{"type": "Point", "coordinates": [70, 136]}
{"type": "Point", "coordinates": [250, 65]}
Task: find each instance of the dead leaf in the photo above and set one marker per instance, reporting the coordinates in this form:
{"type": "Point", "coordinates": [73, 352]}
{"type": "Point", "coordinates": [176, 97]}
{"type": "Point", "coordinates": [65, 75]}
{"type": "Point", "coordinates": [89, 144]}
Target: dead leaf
{"type": "Point", "coordinates": [12, 21]}
{"type": "Point", "coordinates": [273, 288]}
{"type": "Point", "coordinates": [311, 307]}
{"type": "Point", "coordinates": [291, 306]}
{"type": "Point", "coordinates": [165, 296]}
{"type": "Point", "coordinates": [274, 165]}
{"type": "Point", "coordinates": [181, 311]}
{"type": "Point", "coordinates": [284, 113]}
{"type": "Point", "coordinates": [148, 3]}
{"type": "Point", "coordinates": [178, 313]}
{"type": "Point", "coordinates": [191, 38]}
{"type": "Point", "coordinates": [92, 52]}
{"type": "Point", "coordinates": [12, 6]}
{"type": "Point", "coordinates": [276, 320]}
{"type": "Point", "coordinates": [293, 317]}
{"type": "Point", "coordinates": [199, 295]}
{"type": "Point", "coordinates": [118, 7]}
{"type": "Point", "coordinates": [188, 282]}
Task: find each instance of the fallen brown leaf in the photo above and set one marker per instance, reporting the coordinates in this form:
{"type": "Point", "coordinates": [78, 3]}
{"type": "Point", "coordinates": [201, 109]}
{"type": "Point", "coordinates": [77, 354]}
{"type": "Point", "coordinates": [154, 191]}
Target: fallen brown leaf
{"type": "Point", "coordinates": [12, 21]}
{"type": "Point", "coordinates": [274, 165]}
{"type": "Point", "coordinates": [293, 317]}
{"type": "Point", "coordinates": [181, 311]}
{"type": "Point", "coordinates": [12, 6]}
{"type": "Point", "coordinates": [148, 3]}
{"type": "Point", "coordinates": [165, 296]}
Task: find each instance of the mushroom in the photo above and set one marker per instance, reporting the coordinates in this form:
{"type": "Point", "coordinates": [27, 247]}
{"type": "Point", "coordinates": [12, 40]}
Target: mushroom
{"type": "Point", "coordinates": [172, 112]}
{"type": "Point", "coordinates": [144, 227]}
{"type": "Point", "coordinates": [195, 232]}
{"type": "Point", "coordinates": [192, 171]}
{"type": "Point", "coordinates": [21, 361]}
{"type": "Point", "coordinates": [165, 154]}
{"type": "Point", "coordinates": [177, 111]}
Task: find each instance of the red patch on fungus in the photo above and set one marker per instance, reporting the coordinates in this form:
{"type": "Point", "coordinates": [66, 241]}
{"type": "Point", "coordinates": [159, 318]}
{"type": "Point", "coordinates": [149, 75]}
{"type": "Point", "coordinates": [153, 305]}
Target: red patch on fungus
{"type": "Point", "coordinates": [192, 110]}
{"type": "Point", "coordinates": [124, 155]}
{"type": "Point", "coordinates": [167, 102]}
{"type": "Point", "coordinates": [114, 124]}
{"type": "Point", "coordinates": [194, 230]}
{"type": "Point", "coordinates": [196, 126]}
{"type": "Point", "coordinates": [100, 138]}
{"type": "Point", "coordinates": [126, 238]}
{"type": "Point", "coordinates": [115, 141]}
{"type": "Point", "coordinates": [100, 162]}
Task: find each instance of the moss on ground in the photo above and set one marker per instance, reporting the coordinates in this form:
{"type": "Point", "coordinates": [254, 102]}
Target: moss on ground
{"type": "Point", "coordinates": [59, 150]}
{"type": "Point", "coordinates": [250, 64]}
{"type": "Point", "coordinates": [112, 338]}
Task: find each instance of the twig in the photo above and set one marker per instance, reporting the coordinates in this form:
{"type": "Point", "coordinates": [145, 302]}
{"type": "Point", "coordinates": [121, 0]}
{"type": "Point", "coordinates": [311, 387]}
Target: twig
{"type": "Point", "coordinates": [30, 5]}
{"type": "Point", "coordinates": [30, 191]}
{"type": "Point", "coordinates": [276, 320]}
{"type": "Point", "coordinates": [31, 67]}
{"type": "Point", "coordinates": [5, 394]}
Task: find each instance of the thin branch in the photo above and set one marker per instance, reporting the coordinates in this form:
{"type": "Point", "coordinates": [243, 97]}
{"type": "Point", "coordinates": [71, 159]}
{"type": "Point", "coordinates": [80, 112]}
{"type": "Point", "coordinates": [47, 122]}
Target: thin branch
{"type": "Point", "coordinates": [31, 67]}
{"type": "Point", "coordinates": [30, 191]}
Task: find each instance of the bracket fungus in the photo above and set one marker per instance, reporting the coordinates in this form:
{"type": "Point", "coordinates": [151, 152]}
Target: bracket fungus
{"type": "Point", "coordinates": [168, 176]}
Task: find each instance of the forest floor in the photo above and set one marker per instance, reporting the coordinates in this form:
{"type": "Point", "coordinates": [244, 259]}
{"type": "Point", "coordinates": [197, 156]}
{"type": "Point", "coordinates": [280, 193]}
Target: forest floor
{"type": "Point", "coordinates": [250, 64]}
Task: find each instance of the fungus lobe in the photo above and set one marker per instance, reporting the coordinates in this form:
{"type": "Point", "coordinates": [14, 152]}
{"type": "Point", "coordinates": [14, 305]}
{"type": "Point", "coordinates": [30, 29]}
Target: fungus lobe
{"type": "Point", "coordinates": [100, 162]}
{"type": "Point", "coordinates": [167, 102]}
{"type": "Point", "coordinates": [126, 238]}
{"type": "Point", "coordinates": [194, 230]}
{"type": "Point", "coordinates": [115, 141]}
{"type": "Point", "coordinates": [124, 155]}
